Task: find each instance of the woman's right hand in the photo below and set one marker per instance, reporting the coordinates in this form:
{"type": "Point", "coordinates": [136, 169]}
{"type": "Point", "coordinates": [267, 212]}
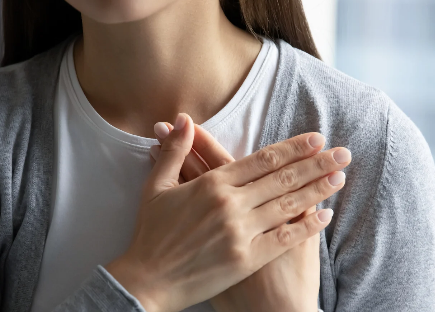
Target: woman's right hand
{"type": "Point", "coordinates": [193, 241]}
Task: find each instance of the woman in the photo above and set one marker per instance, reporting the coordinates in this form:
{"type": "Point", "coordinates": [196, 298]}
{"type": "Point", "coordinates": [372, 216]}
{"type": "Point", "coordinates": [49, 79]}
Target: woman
{"type": "Point", "coordinates": [78, 187]}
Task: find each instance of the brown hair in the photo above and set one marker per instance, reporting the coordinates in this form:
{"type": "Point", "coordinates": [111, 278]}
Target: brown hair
{"type": "Point", "coordinates": [34, 26]}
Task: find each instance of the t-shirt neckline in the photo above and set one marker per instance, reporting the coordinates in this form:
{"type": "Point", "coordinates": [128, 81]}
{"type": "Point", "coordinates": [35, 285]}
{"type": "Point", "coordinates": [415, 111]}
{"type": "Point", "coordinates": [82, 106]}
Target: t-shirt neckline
{"type": "Point", "coordinates": [88, 112]}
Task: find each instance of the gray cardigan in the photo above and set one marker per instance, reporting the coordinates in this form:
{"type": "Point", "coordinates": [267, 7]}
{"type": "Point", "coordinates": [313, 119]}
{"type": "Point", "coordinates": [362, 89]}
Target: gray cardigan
{"type": "Point", "coordinates": [378, 254]}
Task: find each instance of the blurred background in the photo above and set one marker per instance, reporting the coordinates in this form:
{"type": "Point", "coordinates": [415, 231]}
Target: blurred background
{"type": "Point", "coordinates": [389, 44]}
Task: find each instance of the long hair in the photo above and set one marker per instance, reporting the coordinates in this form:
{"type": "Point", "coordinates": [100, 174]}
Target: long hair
{"type": "Point", "coordinates": [34, 26]}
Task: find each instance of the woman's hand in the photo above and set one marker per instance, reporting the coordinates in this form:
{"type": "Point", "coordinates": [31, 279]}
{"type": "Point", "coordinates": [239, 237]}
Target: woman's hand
{"type": "Point", "coordinates": [193, 241]}
{"type": "Point", "coordinates": [289, 283]}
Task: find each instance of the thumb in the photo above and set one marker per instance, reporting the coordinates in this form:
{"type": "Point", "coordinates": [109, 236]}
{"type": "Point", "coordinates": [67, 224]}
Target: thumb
{"type": "Point", "coordinates": [173, 151]}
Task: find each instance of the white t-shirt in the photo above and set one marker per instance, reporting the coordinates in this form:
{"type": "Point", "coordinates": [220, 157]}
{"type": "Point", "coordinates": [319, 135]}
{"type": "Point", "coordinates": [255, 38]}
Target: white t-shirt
{"type": "Point", "coordinates": [100, 170]}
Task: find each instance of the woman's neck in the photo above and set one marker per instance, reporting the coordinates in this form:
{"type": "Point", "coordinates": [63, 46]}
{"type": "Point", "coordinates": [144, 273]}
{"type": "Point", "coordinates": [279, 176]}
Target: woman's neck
{"type": "Point", "coordinates": [185, 58]}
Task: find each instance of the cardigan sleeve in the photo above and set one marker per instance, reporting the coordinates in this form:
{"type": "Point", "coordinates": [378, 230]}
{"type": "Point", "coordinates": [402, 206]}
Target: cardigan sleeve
{"type": "Point", "coordinates": [100, 292]}
{"type": "Point", "coordinates": [391, 266]}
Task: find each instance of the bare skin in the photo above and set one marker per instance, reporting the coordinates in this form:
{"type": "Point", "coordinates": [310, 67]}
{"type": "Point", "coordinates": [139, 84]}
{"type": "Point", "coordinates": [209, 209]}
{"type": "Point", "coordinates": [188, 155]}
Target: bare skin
{"type": "Point", "coordinates": [289, 283]}
{"type": "Point", "coordinates": [186, 57]}
{"type": "Point", "coordinates": [140, 62]}
{"type": "Point", "coordinates": [231, 227]}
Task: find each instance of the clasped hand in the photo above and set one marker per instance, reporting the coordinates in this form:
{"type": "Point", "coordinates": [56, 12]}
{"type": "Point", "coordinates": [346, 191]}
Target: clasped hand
{"type": "Point", "coordinates": [195, 240]}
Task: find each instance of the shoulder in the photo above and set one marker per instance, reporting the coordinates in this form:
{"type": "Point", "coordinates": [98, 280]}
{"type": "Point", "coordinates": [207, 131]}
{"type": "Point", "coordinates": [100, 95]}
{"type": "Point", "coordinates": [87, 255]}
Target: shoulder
{"type": "Point", "coordinates": [313, 96]}
{"type": "Point", "coordinates": [334, 90]}
{"type": "Point", "coordinates": [390, 156]}
{"type": "Point", "coordinates": [26, 88]}
{"type": "Point", "coordinates": [347, 110]}
{"type": "Point", "coordinates": [27, 92]}
{"type": "Point", "coordinates": [358, 111]}
{"type": "Point", "coordinates": [33, 73]}
{"type": "Point", "coordinates": [361, 116]}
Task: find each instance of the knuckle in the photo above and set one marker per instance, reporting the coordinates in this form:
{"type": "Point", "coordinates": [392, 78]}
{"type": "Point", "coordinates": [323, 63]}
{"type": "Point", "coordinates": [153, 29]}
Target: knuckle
{"type": "Point", "coordinates": [211, 180]}
{"type": "Point", "coordinates": [170, 146]}
{"type": "Point", "coordinates": [267, 159]}
{"type": "Point", "coordinates": [321, 163]}
{"type": "Point", "coordinates": [309, 226]}
{"type": "Point", "coordinates": [233, 230]}
{"type": "Point", "coordinates": [298, 147]}
{"type": "Point", "coordinates": [224, 200]}
{"type": "Point", "coordinates": [287, 178]}
{"type": "Point", "coordinates": [239, 256]}
{"type": "Point", "coordinates": [219, 196]}
{"type": "Point", "coordinates": [319, 189]}
{"type": "Point", "coordinates": [284, 235]}
{"type": "Point", "coordinates": [168, 184]}
{"type": "Point", "coordinates": [287, 205]}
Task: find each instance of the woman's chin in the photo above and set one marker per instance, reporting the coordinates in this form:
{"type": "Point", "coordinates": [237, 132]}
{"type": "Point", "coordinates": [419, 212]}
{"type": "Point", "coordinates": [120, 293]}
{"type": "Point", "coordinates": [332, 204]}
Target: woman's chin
{"type": "Point", "coordinates": [118, 11]}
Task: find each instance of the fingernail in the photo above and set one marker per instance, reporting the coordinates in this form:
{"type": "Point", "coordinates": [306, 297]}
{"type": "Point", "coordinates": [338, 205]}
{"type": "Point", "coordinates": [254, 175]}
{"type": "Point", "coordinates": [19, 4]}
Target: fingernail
{"type": "Point", "coordinates": [155, 151]}
{"type": "Point", "coordinates": [337, 178]}
{"type": "Point", "coordinates": [180, 122]}
{"type": "Point", "coordinates": [342, 155]}
{"type": "Point", "coordinates": [325, 215]}
{"type": "Point", "coordinates": [316, 140]}
{"type": "Point", "coordinates": [161, 130]}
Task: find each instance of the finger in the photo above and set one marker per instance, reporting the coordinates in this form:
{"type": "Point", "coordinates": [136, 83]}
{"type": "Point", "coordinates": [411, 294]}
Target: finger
{"type": "Point", "coordinates": [213, 153]}
{"type": "Point", "coordinates": [154, 154]}
{"type": "Point", "coordinates": [173, 152]}
{"type": "Point", "coordinates": [294, 176]}
{"type": "Point", "coordinates": [193, 166]}
{"type": "Point", "coordinates": [293, 205]}
{"type": "Point", "coordinates": [266, 247]}
{"type": "Point", "coordinates": [208, 148]}
{"type": "Point", "coordinates": [271, 158]}
{"type": "Point", "coordinates": [303, 214]}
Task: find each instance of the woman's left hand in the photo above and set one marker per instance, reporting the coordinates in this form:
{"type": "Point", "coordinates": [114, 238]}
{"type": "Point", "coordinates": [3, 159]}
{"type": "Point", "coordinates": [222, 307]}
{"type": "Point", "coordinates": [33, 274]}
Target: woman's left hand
{"type": "Point", "coordinates": [290, 282]}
